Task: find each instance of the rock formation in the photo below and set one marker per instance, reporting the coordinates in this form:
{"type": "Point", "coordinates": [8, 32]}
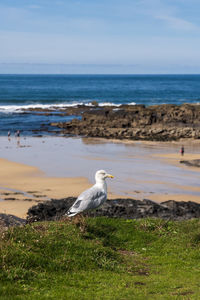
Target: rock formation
{"type": "Point", "coordinates": [118, 208]}
{"type": "Point", "coordinates": [191, 163]}
{"type": "Point", "coordinates": [10, 220]}
{"type": "Point", "coordinates": [137, 122]}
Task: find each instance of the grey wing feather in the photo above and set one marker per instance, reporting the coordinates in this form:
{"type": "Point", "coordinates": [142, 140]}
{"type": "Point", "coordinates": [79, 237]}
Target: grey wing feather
{"type": "Point", "coordinates": [89, 199]}
{"type": "Point", "coordinates": [77, 204]}
{"type": "Point", "coordinates": [93, 196]}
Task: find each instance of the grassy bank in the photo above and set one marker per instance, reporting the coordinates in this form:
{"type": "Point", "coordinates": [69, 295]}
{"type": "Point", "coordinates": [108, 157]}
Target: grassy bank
{"type": "Point", "coordinates": [101, 258]}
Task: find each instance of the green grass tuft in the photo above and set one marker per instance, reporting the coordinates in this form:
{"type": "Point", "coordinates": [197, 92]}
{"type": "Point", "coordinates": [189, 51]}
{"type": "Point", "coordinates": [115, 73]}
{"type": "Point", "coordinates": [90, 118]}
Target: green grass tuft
{"type": "Point", "coordinates": [101, 258]}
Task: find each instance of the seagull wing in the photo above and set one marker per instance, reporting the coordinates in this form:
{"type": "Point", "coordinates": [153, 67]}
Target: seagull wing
{"type": "Point", "coordinates": [89, 199]}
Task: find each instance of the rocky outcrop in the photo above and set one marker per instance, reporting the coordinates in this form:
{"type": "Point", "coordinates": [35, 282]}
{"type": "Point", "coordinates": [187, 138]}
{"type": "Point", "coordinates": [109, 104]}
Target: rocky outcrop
{"type": "Point", "coordinates": [191, 163]}
{"type": "Point", "coordinates": [118, 208]}
{"type": "Point", "coordinates": [10, 220]}
{"type": "Point", "coordinates": [49, 210]}
{"type": "Point", "coordinates": [159, 123]}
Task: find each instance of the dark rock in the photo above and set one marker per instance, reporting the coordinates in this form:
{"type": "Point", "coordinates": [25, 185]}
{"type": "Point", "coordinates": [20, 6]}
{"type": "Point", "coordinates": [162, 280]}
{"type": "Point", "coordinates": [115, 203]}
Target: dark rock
{"type": "Point", "coordinates": [10, 220]}
{"type": "Point", "coordinates": [160, 123]}
{"type": "Point", "coordinates": [118, 208]}
{"type": "Point", "coordinates": [191, 163]}
{"type": "Point", "coordinates": [94, 103]}
{"type": "Point", "coordinates": [49, 210]}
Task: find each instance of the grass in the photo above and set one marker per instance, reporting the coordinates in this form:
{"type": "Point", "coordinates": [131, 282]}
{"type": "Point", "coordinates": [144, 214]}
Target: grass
{"type": "Point", "coordinates": [101, 258]}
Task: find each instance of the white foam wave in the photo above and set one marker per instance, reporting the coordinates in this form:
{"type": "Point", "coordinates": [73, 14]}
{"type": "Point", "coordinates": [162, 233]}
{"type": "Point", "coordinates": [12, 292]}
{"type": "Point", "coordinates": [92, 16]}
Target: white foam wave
{"type": "Point", "coordinates": [114, 104]}
{"type": "Point", "coordinates": [21, 108]}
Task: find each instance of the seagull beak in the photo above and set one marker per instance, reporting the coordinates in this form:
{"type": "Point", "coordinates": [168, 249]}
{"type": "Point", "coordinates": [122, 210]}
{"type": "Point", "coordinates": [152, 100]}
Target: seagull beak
{"type": "Point", "coordinates": [109, 176]}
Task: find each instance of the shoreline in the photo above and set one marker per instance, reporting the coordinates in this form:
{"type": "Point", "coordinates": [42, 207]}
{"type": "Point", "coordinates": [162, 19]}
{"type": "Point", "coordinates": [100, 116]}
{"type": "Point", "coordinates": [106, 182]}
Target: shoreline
{"type": "Point", "coordinates": [161, 122]}
{"type": "Point", "coordinates": [37, 180]}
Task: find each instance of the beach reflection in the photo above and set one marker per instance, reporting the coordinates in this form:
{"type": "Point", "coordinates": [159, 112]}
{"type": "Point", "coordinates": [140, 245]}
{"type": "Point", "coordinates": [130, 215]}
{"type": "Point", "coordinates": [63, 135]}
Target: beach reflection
{"type": "Point", "coordinates": [138, 171]}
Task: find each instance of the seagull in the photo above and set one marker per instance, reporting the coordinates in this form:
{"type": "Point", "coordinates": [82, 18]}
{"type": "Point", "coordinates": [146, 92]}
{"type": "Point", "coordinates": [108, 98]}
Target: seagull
{"type": "Point", "coordinates": [93, 197]}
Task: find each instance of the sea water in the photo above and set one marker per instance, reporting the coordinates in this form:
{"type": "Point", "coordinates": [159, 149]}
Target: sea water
{"type": "Point", "coordinates": [18, 92]}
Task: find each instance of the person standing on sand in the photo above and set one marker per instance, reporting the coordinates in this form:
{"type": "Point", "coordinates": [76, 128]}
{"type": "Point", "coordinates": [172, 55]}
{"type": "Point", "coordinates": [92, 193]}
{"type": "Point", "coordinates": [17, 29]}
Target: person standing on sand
{"type": "Point", "coordinates": [17, 134]}
{"type": "Point", "coordinates": [9, 133]}
{"type": "Point", "coordinates": [182, 150]}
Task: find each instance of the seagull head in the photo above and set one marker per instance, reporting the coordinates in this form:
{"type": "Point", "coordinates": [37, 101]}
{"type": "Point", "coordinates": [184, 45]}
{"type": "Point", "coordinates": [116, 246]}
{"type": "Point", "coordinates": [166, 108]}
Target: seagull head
{"type": "Point", "coordinates": [102, 175]}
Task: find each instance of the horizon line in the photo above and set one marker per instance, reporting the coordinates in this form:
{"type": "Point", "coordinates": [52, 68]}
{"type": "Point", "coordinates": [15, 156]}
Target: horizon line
{"type": "Point", "coordinates": [104, 74]}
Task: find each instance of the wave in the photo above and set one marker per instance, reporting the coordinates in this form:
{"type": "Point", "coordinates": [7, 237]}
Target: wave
{"type": "Point", "coordinates": [21, 108]}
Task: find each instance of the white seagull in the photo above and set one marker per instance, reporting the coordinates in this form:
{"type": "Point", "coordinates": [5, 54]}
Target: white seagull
{"type": "Point", "coordinates": [93, 197]}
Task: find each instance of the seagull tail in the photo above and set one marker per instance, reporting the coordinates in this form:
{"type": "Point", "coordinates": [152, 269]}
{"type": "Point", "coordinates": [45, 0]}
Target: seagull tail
{"type": "Point", "coordinates": [71, 213]}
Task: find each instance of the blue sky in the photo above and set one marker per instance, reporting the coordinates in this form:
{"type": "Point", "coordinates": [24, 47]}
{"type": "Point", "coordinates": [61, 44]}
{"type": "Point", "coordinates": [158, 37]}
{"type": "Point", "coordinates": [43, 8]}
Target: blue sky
{"type": "Point", "coordinates": [107, 36]}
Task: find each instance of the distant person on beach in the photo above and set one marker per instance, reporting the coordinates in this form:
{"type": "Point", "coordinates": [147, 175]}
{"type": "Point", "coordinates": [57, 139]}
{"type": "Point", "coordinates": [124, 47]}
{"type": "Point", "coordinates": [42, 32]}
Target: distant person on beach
{"type": "Point", "coordinates": [182, 151]}
{"type": "Point", "coordinates": [9, 133]}
{"type": "Point", "coordinates": [17, 134]}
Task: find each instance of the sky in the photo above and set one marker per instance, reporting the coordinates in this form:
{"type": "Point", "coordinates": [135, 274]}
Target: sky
{"type": "Point", "coordinates": [100, 36]}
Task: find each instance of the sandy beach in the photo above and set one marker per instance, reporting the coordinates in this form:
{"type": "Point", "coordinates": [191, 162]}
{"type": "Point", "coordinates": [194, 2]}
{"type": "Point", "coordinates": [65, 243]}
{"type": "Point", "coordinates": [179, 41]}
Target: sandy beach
{"type": "Point", "coordinates": [23, 186]}
{"type": "Point", "coordinates": [34, 170]}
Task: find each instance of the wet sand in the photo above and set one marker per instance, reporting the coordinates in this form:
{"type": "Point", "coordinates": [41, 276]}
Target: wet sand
{"type": "Point", "coordinates": [23, 186]}
{"type": "Point", "coordinates": [175, 158]}
{"type": "Point", "coordinates": [38, 169]}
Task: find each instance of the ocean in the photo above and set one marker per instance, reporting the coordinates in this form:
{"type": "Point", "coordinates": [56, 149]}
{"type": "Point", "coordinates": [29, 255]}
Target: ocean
{"type": "Point", "coordinates": [48, 91]}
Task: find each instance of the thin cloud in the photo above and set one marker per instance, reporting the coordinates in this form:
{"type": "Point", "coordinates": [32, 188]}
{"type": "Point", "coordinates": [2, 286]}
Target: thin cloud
{"type": "Point", "coordinates": [55, 48]}
{"type": "Point", "coordinates": [168, 13]}
{"type": "Point", "coordinates": [177, 23]}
